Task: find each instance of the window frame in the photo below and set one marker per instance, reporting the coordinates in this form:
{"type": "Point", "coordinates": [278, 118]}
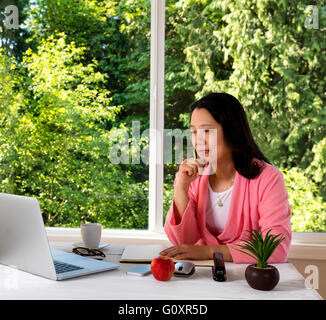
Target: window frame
{"type": "Point", "coordinates": [302, 242]}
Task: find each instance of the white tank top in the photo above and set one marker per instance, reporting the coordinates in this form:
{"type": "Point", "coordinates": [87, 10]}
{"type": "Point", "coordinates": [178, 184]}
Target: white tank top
{"type": "Point", "coordinates": [216, 216]}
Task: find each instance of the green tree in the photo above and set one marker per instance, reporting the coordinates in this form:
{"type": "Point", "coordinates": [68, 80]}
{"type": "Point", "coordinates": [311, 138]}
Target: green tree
{"type": "Point", "coordinates": [58, 147]}
{"type": "Point", "coordinates": [307, 207]}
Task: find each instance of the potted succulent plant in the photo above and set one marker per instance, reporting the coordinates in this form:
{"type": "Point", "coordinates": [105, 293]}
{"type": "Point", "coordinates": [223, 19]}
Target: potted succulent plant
{"type": "Point", "coordinates": [261, 276]}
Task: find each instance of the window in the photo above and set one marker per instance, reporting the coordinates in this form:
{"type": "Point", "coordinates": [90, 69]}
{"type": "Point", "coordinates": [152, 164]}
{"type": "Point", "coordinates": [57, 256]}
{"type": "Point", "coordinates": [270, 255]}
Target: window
{"type": "Point", "coordinates": [89, 89]}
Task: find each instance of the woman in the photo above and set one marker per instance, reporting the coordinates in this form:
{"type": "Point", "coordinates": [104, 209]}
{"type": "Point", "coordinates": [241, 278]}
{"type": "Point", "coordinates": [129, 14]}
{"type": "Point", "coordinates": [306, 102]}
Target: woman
{"type": "Point", "coordinates": [212, 212]}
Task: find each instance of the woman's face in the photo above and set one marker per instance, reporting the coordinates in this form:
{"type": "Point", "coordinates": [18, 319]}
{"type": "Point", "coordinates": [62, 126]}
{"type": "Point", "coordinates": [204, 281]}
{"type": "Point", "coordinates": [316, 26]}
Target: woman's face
{"type": "Point", "coordinates": [207, 137]}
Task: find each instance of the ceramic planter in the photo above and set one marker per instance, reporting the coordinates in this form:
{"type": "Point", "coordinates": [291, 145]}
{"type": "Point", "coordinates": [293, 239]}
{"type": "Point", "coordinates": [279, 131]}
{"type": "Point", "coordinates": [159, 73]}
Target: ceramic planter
{"type": "Point", "coordinates": [262, 279]}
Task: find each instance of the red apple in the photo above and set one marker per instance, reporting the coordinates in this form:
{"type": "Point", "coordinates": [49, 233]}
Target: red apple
{"type": "Point", "coordinates": [162, 268]}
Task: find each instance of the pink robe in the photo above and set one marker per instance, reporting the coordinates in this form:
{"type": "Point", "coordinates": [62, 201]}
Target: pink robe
{"type": "Point", "coordinates": [260, 201]}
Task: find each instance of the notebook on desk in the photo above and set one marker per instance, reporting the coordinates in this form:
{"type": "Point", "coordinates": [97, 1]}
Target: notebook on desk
{"type": "Point", "coordinates": [146, 253]}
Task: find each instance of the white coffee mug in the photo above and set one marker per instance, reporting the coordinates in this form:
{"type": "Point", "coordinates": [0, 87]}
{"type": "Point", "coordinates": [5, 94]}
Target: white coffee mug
{"type": "Point", "coordinates": [91, 234]}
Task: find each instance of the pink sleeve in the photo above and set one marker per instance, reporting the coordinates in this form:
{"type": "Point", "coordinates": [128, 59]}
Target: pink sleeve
{"type": "Point", "coordinates": [275, 213]}
{"type": "Point", "coordinates": [186, 232]}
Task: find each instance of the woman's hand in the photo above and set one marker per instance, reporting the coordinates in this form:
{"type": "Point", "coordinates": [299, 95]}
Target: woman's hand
{"type": "Point", "coordinates": [187, 251]}
{"type": "Point", "coordinates": [188, 170]}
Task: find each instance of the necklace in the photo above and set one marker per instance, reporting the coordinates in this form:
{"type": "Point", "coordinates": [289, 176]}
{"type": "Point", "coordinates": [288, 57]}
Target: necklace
{"type": "Point", "coordinates": [220, 203]}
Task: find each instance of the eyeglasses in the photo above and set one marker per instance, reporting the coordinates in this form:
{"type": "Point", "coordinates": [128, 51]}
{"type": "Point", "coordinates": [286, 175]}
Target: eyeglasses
{"type": "Point", "coordinates": [88, 252]}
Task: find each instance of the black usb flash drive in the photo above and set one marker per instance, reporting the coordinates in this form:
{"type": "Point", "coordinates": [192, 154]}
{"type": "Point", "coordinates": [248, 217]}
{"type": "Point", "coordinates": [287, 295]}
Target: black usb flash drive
{"type": "Point", "coordinates": [219, 273]}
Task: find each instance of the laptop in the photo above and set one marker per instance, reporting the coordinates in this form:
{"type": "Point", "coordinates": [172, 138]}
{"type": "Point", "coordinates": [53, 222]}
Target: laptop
{"type": "Point", "coordinates": [24, 244]}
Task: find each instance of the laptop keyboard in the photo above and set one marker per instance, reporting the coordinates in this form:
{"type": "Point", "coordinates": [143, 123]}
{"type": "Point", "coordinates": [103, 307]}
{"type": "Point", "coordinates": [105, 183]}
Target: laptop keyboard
{"type": "Point", "coordinates": [61, 267]}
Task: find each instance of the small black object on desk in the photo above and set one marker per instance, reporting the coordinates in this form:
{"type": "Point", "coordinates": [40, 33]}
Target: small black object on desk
{"type": "Point", "coordinates": [219, 272]}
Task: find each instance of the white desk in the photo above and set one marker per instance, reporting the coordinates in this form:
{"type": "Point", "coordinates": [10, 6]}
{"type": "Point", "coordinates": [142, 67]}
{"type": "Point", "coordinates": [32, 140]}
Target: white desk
{"type": "Point", "coordinates": [117, 285]}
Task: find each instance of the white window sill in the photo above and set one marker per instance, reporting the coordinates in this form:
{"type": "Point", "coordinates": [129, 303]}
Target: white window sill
{"type": "Point", "coordinates": [117, 236]}
{"type": "Point", "coordinates": [304, 245]}
{"type": "Point", "coordinates": [308, 246]}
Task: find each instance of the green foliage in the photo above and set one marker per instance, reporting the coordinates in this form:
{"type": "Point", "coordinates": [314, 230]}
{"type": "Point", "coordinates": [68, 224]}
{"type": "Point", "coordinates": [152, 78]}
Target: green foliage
{"type": "Point", "coordinates": [307, 206]}
{"type": "Point", "coordinates": [317, 166]}
{"type": "Point", "coordinates": [57, 147]}
{"type": "Point", "coordinates": [258, 247]}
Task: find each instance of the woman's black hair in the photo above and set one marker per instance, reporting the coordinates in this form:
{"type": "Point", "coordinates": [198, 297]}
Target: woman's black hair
{"type": "Point", "coordinates": [229, 113]}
